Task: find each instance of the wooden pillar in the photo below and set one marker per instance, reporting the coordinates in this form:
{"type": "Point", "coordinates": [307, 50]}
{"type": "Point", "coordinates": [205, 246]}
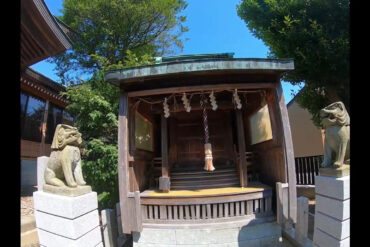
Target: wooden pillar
{"type": "Point", "coordinates": [123, 166]}
{"type": "Point", "coordinates": [289, 154]}
{"type": "Point", "coordinates": [164, 180]}
{"type": "Point", "coordinates": [241, 143]}
{"type": "Point", "coordinates": [43, 129]}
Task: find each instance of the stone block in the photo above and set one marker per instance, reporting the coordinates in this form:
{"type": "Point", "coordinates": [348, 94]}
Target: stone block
{"type": "Point", "coordinates": [206, 236]}
{"type": "Point", "coordinates": [338, 188]}
{"type": "Point", "coordinates": [90, 239]}
{"type": "Point", "coordinates": [155, 236]}
{"type": "Point", "coordinates": [69, 228]}
{"type": "Point", "coordinates": [267, 234]}
{"type": "Point", "coordinates": [41, 165]}
{"type": "Point", "coordinates": [259, 231]}
{"type": "Point", "coordinates": [322, 239]}
{"type": "Point", "coordinates": [100, 245]}
{"type": "Point", "coordinates": [63, 206]}
{"type": "Point", "coordinates": [110, 231]}
{"type": "Point", "coordinates": [67, 191]}
{"type": "Point", "coordinates": [248, 243]}
{"type": "Point", "coordinates": [335, 208]}
{"type": "Point", "coordinates": [271, 241]}
{"type": "Point", "coordinates": [335, 228]}
{"type": "Point", "coordinates": [342, 171]}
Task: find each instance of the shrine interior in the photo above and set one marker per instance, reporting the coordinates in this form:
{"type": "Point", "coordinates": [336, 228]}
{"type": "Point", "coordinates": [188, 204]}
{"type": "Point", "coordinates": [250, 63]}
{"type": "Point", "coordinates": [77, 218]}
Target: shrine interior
{"type": "Point", "coordinates": [185, 139]}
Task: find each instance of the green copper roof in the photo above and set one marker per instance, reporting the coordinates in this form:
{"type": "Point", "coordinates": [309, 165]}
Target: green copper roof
{"type": "Point", "coordinates": [194, 57]}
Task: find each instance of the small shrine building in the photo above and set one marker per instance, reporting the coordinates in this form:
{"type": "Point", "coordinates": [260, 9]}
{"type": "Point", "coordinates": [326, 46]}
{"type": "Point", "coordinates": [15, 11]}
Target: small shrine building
{"type": "Point", "coordinates": [203, 139]}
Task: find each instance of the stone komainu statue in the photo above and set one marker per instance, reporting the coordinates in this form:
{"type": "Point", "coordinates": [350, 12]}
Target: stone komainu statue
{"type": "Point", "coordinates": [64, 165]}
{"type": "Point", "coordinates": [335, 120]}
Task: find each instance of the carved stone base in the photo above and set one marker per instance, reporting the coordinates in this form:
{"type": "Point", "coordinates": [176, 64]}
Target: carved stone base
{"type": "Point", "coordinates": [67, 191]}
{"type": "Point", "coordinates": [335, 172]}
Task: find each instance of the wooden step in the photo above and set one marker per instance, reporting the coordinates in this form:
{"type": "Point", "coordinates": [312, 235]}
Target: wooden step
{"type": "Point", "coordinates": [176, 173]}
{"type": "Point", "coordinates": [205, 186]}
{"type": "Point", "coordinates": [193, 182]}
{"type": "Point", "coordinates": [200, 176]}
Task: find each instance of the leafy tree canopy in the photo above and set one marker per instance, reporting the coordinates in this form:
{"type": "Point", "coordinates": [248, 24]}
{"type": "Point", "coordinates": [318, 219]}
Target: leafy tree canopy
{"type": "Point", "coordinates": [315, 34]}
{"type": "Point", "coordinates": [112, 34]}
{"type": "Point", "coordinates": [95, 106]}
{"type": "Point", "coordinates": [109, 29]}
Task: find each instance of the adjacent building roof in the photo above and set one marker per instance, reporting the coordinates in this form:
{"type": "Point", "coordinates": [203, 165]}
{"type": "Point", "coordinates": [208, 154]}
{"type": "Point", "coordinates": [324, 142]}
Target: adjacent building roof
{"type": "Point", "coordinates": [40, 85]}
{"type": "Point", "coordinates": [42, 36]}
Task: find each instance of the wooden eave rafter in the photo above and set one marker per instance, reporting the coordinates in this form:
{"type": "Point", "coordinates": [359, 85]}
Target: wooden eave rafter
{"type": "Point", "coordinates": [41, 35]}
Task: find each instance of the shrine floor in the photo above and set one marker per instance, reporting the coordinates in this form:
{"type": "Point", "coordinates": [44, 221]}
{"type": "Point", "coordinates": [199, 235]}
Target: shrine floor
{"type": "Point", "coordinates": [252, 187]}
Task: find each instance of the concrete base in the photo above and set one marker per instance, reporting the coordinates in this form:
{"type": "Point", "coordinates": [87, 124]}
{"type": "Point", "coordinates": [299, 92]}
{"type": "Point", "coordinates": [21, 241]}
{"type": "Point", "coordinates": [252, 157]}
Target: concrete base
{"type": "Point", "coordinates": [342, 171]}
{"type": "Point", "coordinates": [265, 234]}
{"type": "Point", "coordinates": [67, 191]}
{"type": "Point", "coordinates": [67, 221]}
{"type": "Point", "coordinates": [332, 217]}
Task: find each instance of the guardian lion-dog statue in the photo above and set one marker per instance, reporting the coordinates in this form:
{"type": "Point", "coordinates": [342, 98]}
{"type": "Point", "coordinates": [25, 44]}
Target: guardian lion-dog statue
{"type": "Point", "coordinates": [335, 120]}
{"type": "Point", "coordinates": [64, 165]}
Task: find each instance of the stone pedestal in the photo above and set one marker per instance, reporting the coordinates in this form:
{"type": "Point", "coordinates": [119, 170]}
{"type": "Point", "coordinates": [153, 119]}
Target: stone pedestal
{"type": "Point", "coordinates": [332, 218]}
{"type": "Point", "coordinates": [63, 221]}
{"type": "Point", "coordinates": [230, 235]}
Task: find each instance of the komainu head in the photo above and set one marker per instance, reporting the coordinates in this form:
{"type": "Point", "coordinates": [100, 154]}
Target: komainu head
{"type": "Point", "coordinates": [334, 114]}
{"type": "Point", "coordinates": [66, 135]}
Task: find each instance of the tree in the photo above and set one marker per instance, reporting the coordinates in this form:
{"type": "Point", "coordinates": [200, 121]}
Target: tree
{"type": "Point", "coordinates": [316, 35]}
{"type": "Point", "coordinates": [112, 34]}
{"type": "Point", "coordinates": [109, 29]}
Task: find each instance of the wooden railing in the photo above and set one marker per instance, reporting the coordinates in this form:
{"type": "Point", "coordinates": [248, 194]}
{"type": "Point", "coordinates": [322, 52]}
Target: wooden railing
{"type": "Point", "coordinates": [307, 168]}
{"type": "Point", "coordinates": [207, 209]}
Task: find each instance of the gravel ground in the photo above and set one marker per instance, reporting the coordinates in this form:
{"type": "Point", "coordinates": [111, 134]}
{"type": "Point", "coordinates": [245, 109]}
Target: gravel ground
{"type": "Point", "coordinates": [26, 205]}
{"type": "Point", "coordinates": [27, 200]}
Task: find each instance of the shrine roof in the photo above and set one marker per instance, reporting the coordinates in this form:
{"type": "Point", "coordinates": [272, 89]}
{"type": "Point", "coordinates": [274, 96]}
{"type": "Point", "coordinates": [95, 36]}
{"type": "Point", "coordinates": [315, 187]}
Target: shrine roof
{"type": "Point", "coordinates": [202, 64]}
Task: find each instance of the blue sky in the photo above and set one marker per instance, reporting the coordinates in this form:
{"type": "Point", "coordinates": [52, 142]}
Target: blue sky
{"type": "Point", "coordinates": [214, 27]}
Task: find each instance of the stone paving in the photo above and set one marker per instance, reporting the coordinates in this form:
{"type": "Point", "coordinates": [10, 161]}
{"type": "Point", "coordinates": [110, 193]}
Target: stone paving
{"type": "Point", "coordinates": [29, 236]}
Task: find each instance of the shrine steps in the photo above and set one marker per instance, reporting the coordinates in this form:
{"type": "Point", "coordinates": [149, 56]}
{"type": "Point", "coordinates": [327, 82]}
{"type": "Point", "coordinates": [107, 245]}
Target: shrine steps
{"type": "Point", "coordinates": [194, 179]}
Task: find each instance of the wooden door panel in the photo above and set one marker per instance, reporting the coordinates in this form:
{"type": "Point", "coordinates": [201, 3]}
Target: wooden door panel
{"type": "Point", "coordinates": [189, 136]}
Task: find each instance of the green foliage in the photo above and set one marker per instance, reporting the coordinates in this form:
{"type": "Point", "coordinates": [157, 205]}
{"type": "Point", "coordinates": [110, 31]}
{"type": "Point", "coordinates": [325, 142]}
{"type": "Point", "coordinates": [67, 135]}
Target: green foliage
{"type": "Point", "coordinates": [112, 34]}
{"type": "Point", "coordinates": [95, 105]}
{"type": "Point", "coordinates": [315, 34]}
{"type": "Point", "coordinates": [109, 29]}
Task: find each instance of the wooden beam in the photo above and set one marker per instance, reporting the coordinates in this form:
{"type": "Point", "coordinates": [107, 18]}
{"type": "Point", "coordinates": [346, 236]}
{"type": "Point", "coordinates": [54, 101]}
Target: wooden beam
{"type": "Point", "coordinates": [241, 143]}
{"type": "Point", "coordinates": [171, 90]}
{"type": "Point", "coordinates": [222, 105]}
{"type": "Point", "coordinates": [123, 172]}
{"type": "Point", "coordinates": [164, 182]}
{"type": "Point", "coordinates": [289, 153]}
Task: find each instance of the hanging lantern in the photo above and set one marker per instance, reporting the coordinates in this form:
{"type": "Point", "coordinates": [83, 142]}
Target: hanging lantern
{"type": "Point", "coordinates": [208, 164]}
{"type": "Point", "coordinates": [186, 103]}
{"type": "Point", "coordinates": [166, 109]}
{"type": "Point", "coordinates": [237, 99]}
{"type": "Point", "coordinates": [213, 101]}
